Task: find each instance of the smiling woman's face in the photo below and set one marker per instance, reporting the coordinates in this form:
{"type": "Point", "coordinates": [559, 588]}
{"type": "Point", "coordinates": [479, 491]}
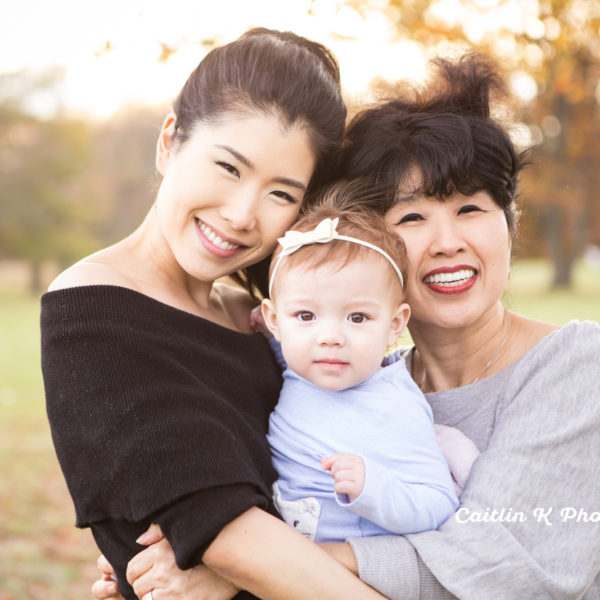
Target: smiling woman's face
{"type": "Point", "coordinates": [459, 255]}
{"type": "Point", "coordinates": [230, 191]}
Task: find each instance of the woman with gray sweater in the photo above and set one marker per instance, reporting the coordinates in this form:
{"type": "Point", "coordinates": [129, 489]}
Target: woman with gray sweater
{"type": "Point", "coordinates": [526, 392]}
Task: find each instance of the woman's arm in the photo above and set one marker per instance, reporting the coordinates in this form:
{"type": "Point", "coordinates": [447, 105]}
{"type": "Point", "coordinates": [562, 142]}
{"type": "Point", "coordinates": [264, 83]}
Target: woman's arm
{"type": "Point", "coordinates": [263, 555]}
{"type": "Point", "coordinates": [342, 552]}
{"type": "Point", "coordinates": [259, 553]}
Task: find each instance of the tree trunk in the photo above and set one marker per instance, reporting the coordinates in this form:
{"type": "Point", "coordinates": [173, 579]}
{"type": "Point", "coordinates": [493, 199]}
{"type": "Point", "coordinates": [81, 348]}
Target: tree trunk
{"type": "Point", "coordinates": [562, 258]}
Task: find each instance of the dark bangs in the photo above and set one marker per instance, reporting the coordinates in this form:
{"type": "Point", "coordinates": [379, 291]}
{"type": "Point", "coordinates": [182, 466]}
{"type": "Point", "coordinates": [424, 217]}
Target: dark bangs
{"type": "Point", "coordinates": [443, 139]}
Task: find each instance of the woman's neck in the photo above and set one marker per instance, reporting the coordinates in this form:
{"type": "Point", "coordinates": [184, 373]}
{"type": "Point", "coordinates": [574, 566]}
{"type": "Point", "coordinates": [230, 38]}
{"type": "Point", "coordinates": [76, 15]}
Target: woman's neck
{"type": "Point", "coordinates": [447, 358]}
{"type": "Point", "coordinates": [154, 271]}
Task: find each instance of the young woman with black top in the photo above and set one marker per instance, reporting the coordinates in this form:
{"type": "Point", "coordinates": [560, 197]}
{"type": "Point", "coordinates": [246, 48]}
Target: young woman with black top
{"type": "Point", "coordinates": [525, 391]}
{"type": "Point", "coordinates": [158, 392]}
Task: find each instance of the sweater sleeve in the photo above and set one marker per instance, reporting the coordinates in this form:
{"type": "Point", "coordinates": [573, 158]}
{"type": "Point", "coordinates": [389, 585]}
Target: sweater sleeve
{"type": "Point", "coordinates": [407, 487]}
{"type": "Point", "coordinates": [189, 524]}
{"type": "Point", "coordinates": [403, 506]}
{"type": "Point", "coordinates": [528, 525]}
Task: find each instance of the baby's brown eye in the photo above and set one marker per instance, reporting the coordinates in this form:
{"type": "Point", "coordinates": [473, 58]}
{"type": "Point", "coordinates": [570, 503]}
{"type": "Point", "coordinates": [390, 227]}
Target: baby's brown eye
{"type": "Point", "coordinates": [305, 316]}
{"type": "Point", "coordinates": [357, 318]}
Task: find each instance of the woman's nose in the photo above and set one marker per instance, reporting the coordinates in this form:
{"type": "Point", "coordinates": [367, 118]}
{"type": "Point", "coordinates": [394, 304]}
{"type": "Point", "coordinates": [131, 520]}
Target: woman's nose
{"type": "Point", "coordinates": [446, 238]}
{"type": "Point", "coordinates": [241, 211]}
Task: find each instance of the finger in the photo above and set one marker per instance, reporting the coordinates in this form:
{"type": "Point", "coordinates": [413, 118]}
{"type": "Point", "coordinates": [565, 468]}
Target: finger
{"type": "Point", "coordinates": [335, 460]}
{"type": "Point", "coordinates": [103, 590]}
{"type": "Point", "coordinates": [152, 535]}
{"type": "Point", "coordinates": [104, 566]}
{"type": "Point", "coordinates": [349, 461]}
{"type": "Point", "coordinates": [327, 462]}
{"type": "Point", "coordinates": [145, 584]}
{"type": "Point", "coordinates": [345, 475]}
{"type": "Point", "coordinates": [346, 487]}
{"type": "Point", "coordinates": [141, 563]}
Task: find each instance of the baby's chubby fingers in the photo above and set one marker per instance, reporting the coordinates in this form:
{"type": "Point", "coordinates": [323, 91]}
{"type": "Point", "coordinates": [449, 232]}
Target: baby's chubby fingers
{"type": "Point", "coordinates": [348, 472]}
{"type": "Point", "coordinates": [348, 487]}
{"type": "Point", "coordinates": [327, 462]}
{"type": "Point", "coordinates": [342, 461]}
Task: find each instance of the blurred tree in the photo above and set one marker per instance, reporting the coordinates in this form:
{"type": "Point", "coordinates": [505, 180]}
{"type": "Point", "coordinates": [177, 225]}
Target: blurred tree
{"type": "Point", "coordinates": [43, 210]}
{"type": "Point", "coordinates": [551, 49]}
{"type": "Point", "coordinates": [69, 187]}
{"type": "Point", "coordinates": [123, 172]}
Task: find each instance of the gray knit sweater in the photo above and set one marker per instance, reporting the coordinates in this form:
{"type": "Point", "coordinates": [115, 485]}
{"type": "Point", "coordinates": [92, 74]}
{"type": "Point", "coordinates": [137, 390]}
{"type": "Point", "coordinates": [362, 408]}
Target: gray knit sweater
{"type": "Point", "coordinates": [529, 522]}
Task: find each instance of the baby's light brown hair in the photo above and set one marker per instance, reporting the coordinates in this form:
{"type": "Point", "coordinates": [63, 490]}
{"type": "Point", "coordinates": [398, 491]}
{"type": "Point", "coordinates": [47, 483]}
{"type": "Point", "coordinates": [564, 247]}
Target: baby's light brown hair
{"type": "Point", "coordinates": [346, 201]}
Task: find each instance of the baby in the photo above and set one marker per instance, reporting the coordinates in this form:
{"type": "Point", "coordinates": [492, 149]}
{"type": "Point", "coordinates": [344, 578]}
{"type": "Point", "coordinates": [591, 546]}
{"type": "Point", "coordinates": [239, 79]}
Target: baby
{"type": "Point", "coordinates": [353, 442]}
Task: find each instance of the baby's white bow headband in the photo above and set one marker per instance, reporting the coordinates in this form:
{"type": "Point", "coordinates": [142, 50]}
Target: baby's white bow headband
{"type": "Point", "coordinates": [323, 233]}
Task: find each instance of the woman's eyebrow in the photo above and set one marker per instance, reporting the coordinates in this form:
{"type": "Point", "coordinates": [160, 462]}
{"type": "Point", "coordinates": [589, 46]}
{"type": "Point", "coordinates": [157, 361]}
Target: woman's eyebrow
{"type": "Point", "coordinates": [248, 163]}
{"type": "Point", "coordinates": [237, 155]}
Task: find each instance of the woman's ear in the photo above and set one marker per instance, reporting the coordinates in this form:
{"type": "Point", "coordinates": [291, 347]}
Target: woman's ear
{"type": "Point", "coordinates": [270, 317]}
{"type": "Point", "coordinates": [399, 321]}
{"type": "Point", "coordinates": [164, 145]}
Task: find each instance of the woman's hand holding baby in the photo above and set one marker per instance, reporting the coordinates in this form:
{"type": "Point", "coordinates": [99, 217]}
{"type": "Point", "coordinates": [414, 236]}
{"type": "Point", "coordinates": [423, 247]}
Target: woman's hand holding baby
{"type": "Point", "coordinates": [348, 472]}
{"type": "Point", "coordinates": [154, 569]}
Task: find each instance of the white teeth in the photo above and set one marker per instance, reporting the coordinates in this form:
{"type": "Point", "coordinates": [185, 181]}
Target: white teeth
{"type": "Point", "coordinates": [450, 279]}
{"type": "Point", "coordinates": [215, 239]}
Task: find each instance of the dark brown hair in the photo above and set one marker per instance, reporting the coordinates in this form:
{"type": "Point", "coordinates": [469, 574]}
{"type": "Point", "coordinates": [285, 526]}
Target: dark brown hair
{"type": "Point", "coordinates": [275, 73]}
{"type": "Point", "coordinates": [348, 202]}
{"type": "Point", "coordinates": [444, 133]}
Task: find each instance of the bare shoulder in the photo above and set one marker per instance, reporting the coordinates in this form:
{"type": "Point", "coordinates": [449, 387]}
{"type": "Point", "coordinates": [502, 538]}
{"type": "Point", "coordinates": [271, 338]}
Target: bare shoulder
{"type": "Point", "coordinates": [88, 272]}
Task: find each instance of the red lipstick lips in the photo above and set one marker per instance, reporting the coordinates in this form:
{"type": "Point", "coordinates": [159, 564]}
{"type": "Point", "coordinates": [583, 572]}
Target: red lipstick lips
{"type": "Point", "coordinates": [451, 280]}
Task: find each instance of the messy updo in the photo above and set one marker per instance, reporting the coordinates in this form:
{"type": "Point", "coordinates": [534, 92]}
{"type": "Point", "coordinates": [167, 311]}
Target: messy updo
{"type": "Point", "coordinates": [444, 134]}
{"type": "Point", "coordinates": [275, 73]}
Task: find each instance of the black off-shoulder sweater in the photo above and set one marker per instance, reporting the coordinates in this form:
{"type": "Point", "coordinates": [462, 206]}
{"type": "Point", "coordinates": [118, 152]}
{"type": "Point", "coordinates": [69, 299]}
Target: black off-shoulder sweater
{"type": "Point", "coordinates": [156, 415]}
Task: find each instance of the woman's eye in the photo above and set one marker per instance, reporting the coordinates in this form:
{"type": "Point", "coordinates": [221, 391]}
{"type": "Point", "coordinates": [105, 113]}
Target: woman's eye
{"type": "Point", "coordinates": [409, 218]}
{"type": "Point", "coordinates": [229, 168]}
{"type": "Point", "coordinates": [305, 315]}
{"type": "Point", "coordinates": [285, 196]}
{"type": "Point", "coordinates": [469, 208]}
{"type": "Point", "coordinates": [357, 318]}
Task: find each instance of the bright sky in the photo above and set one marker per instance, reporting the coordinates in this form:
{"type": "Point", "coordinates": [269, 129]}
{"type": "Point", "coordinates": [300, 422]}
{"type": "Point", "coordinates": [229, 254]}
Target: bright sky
{"type": "Point", "coordinates": [72, 34]}
{"type": "Point", "coordinates": [35, 34]}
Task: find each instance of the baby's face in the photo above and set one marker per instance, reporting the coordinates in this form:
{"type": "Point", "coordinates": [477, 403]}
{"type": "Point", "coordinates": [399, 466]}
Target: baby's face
{"type": "Point", "coordinates": [334, 324]}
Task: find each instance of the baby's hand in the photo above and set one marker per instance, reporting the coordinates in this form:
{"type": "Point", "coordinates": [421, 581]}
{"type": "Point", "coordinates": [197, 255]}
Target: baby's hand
{"type": "Point", "coordinates": [348, 472]}
{"type": "Point", "coordinates": [258, 323]}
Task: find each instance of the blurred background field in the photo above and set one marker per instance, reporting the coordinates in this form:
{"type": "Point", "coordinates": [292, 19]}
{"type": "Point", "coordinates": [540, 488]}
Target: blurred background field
{"type": "Point", "coordinates": [42, 555]}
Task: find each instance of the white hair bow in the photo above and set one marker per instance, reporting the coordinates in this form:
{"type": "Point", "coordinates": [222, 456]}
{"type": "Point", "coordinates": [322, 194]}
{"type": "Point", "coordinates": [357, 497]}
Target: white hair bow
{"type": "Point", "coordinates": [294, 240]}
{"type": "Point", "coordinates": [323, 233]}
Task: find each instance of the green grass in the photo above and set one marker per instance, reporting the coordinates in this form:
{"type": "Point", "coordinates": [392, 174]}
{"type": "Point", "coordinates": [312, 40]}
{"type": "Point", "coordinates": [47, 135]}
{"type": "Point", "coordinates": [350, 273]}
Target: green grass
{"type": "Point", "coordinates": [42, 555]}
{"type": "Point", "coordinates": [528, 293]}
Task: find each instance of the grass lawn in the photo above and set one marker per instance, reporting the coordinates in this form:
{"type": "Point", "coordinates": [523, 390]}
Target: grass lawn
{"type": "Point", "coordinates": [528, 293]}
{"type": "Point", "coordinates": [42, 555]}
